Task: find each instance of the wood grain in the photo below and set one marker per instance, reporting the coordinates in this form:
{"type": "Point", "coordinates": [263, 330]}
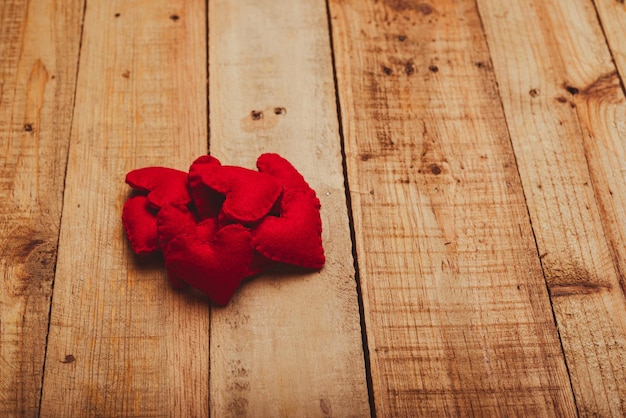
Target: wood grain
{"type": "Point", "coordinates": [565, 109]}
{"type": "Point", "coordinates": [610, 157]}
{"type": "Point", "coordinates": [458, 318]}
{"type": "Point", "coordinates": [612, 14]}
{"type": "Point", "coordinates": [289, 344]}
{"type": "Point", "coordinates": [39, 49]}
{"type": "Point", "coordinates": [122, 342]}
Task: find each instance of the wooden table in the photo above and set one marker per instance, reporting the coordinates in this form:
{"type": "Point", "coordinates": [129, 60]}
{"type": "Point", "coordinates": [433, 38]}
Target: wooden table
{"type": "Point", "coordinates": [470, 157]}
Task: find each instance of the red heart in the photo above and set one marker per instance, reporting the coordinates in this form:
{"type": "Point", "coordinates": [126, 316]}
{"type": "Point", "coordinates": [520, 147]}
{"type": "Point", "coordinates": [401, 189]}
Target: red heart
{"type": "Point", "coordinates": [164, 185]}
{"type": "Point", "coordinates": [140, 225]}
{"type": "Point", "coordinates": [281, 169]}
{"type": "Point", "coordinates": [249, 195]}
{"type": "Point", "coordinates": [295, 236]}
{"type": "Point", "coordinates": [206, 201]}
{"type": "Point", "coordinates": [215, 267]}
{"type": "Point", "coordinates": [177, 220]}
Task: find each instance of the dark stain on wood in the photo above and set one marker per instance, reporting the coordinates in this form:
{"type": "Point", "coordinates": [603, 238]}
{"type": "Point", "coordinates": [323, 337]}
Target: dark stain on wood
{"type": "Point", "coordinates": [533, 92]}
{"type": "Point", "coordinates": [577, 289]}
{"type": "Point", "coordinates": [34, 258]}
{"type": "Point", "coordinates": [433, 68]}
{"type": "Point", "coordinates": [28, 247]}
{"type": "Point", "coordinates": [326, 407]}
{"type": "Point", "coordinates": [417, 6]}
{"type": "Point", "coordinates": [28, 127]}
{"type": "Point", "coordinates": [607, 86]}
{"type": "Point", "coordinates": [565, 279]}
{"type": "Point", "coordinates": [256, 115]}
{"type": "Point", "coordinates": [68, 359]}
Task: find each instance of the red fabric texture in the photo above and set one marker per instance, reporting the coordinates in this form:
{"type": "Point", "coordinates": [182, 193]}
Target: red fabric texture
{"type": "Point", "coordinates": [249, 195]}
{"type": "Point", "coordinates": [218, 225]}
{"type": "Point", "coordinates": [163, 185]}
{"type": "Point", "coordinates": [140, 225]}
{"type": "Point", "coordinates": [294, 237]}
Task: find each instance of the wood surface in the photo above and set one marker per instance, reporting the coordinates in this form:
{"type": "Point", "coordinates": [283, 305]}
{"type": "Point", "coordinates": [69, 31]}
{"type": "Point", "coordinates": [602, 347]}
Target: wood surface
{"type": "Point", "coordinates": [612, 161]}
{"type": "Point", "coordinates": [457, 314]}
{"type": "Point", "coordinates": [612, 15]}
{"type": "Point", "coordinates": [564, 112]}
{"type": "Point", "coordinates": [471, 154]}
{"type": "Point", "coordinates": [121, 341]}
{"type": "Point", "coordinates": [289, 344]}
{"type": "Point", "coordinates": [39, 46]}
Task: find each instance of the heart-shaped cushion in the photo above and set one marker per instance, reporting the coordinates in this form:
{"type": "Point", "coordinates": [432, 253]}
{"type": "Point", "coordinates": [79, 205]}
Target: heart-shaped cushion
{"type": "Point", "coordinates": [140, 225]}
{"type": "Point", "coordinates": [207, 202]}
{"type": "Point", "coordinates": [249, 195]}
{"type": "Point", "coordinates": [162, 185]}
{"type": "Point", "coordinates": [175, 220]}
{"type": "Point", "coordinates": [295, 235]}
{"type": "Point", "coordinates": [214, 267]}
{"type": "Point", "coordinates": [281, 169]}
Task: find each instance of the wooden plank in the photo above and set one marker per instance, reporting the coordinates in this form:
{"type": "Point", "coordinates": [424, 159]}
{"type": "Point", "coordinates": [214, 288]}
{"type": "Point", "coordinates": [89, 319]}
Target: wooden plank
{"type": "Point", "coordinates": [610, 161]}
{"type": "Point", "coordinates": [565, 108]}
{"type": "Point", "coordinates": [458, 317]}
{"type": "Point", "coordinates": [121, 341]}
{"type": "Point", "coordinates": [39, 45]}
{"type": "Point", "coordinates": [612, 14]}
{"type": "Point", "coordinates": [289, 344]}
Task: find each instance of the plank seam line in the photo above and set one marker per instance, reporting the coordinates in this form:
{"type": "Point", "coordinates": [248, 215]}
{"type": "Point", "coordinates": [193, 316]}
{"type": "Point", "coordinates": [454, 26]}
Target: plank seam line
{"type": "Point", "coordinates": [208, 148]}
{"type": "Point", "coordinates": [530, 220]}
{"type": "Point", "coordinates": [357, 277]}
{"type": "Point", "coordinates": [608, 46]}
{"type": "Point", "coordinates": [208, 72]}
{"type": "Point", "coordinates": [67, 154]}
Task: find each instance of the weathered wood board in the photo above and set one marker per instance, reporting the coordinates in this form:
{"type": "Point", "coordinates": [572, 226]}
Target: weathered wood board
{"type": "Point", "coordinates": [122, 342]}
{"type": "Point", "coordinates": [39, 45]}
{"type": "Point", "coordinates": [564, 106]}
{"type": "Point", "coordinates": [457, 314]}
{"type": "Point", "coordinates": [289, 344]}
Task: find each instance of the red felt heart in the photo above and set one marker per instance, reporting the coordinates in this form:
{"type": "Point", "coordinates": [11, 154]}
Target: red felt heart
{"type": "Point", "coordinates": [206, 201]}
{"type": "Point", "coordinates": [140, 225]}
{"type": "Point", "coordinates": [281, 169]}
{"type": "Point", "coordinates": [163, 185]}
{"type": "Point", "coordinates": [201, 221]}
{"type": "Point", "coordinates": [214, 267]}
{"type": "Point", "coordinates": [175, 220]}
{"type": "Point", "coordinates": [249, 195]}
{"type": "Point", "coordinates": [295, 236]}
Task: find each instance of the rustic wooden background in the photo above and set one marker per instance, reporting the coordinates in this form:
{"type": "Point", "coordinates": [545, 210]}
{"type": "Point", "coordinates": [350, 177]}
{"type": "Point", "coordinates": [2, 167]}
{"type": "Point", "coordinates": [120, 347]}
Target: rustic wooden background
{"type": "Point", "coordinates": [470, 156]}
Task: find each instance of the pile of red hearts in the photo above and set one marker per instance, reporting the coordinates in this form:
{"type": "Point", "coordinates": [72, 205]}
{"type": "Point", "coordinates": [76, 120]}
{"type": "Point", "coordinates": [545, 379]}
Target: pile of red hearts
{"type": "Point", "coordinates": [218, 225]}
